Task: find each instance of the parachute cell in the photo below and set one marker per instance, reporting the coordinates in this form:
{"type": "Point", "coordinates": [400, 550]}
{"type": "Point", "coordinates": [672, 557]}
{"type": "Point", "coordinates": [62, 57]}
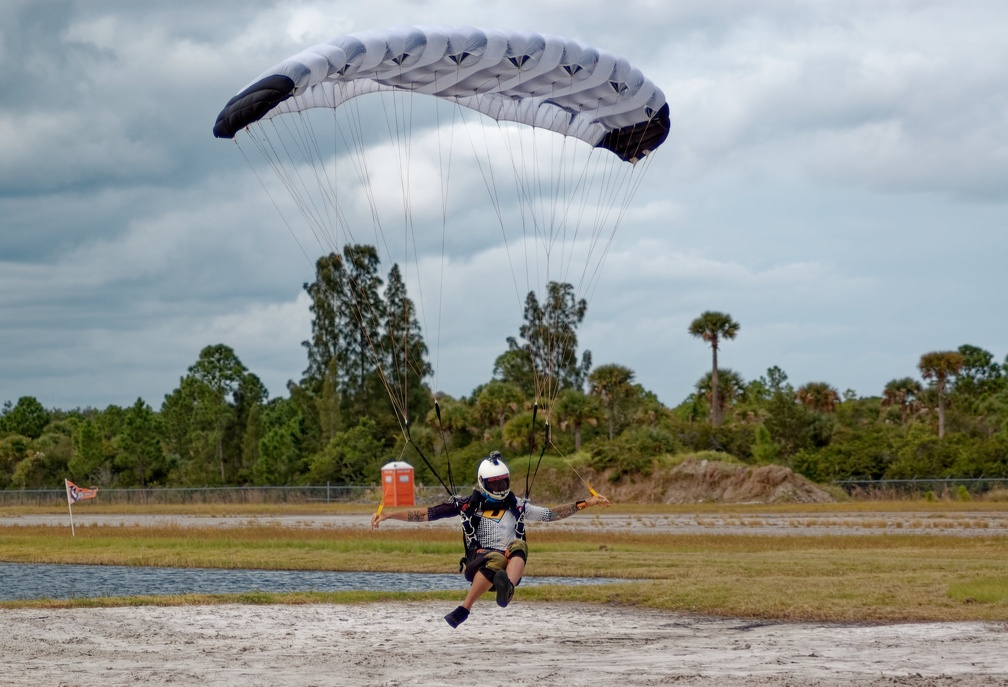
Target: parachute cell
{"type": "Point", "coordinates": [535, 79]}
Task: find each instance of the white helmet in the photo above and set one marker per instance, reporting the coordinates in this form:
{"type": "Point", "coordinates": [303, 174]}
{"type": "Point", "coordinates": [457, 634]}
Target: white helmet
{"type": "Point", "coordinates": [494, 478]}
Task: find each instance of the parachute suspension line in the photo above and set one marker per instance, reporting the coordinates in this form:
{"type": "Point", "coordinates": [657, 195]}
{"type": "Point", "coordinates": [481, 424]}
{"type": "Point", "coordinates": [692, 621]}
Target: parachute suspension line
{"type": "Point", "coordinates": [529, 476]}
{"type": "Point", "coordinates": [527, 188]}
{"type": "Point", "coordinates": [559, 339]}
{"type": "Point", "coordinates": [486, 169]}
{"type": "Point", "coordinates": [308, 207]}
{"type": "Point", "coordinates": [363, 311]}
{"type": "Point", "coordinates": [619, 195]}
{"type": "Point", "coordinates": [543, 218]}
{"type": "Point", "coordinates": [269, 195]}
{"type": "Point", "coordinates": [560, 453]}
{"type": "Point", "coordinates": [451, 492]}
{"type": "Point", "coordinates": [550, 221]}
{"type": "Point", "coordinates": [306, 141]}
{"type": "Point", "coordinates": [283, 162]}
{"type": "Point", "coordinates": [359, 159]}
{"type": "Point", "coordinates": [444, 172]}
{"type": "Point", "coordinates": [526, 181]}
{"type": "Point", "coordinates": [298, 143]}
{"type": "Point", "coordinates": [400, 132]}
{"type": "Point", "coordinates": [444, 442]}
{"type": "Point", "coordinates": [546, 443]}
{"type": "Point", "coordinates": [619, 187]}
{"type": "Point", "coordinates": [528, 471]}
{"type": "Point", "coordinates": [300, 132]}
{"type": "Point", "coordinates": [313, 218]}
{"type": "Point", "coordinates": [430, 466]}
{"type": "Point", "coordinates": [530, 482]}
{"type": "Point", "coordinates": [554, 239]}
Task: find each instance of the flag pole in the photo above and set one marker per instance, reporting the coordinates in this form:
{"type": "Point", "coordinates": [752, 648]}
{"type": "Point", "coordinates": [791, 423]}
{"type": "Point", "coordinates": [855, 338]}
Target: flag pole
{"type": "Point", "coordinates": [66, 483]}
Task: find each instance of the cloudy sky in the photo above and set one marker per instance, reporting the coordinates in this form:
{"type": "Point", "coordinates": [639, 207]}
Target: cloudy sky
{"type": "Point", "coordinates": [836, 179]}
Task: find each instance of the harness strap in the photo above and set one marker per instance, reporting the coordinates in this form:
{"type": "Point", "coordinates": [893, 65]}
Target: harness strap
{"type": "Point", "coordinates": [476, 503]}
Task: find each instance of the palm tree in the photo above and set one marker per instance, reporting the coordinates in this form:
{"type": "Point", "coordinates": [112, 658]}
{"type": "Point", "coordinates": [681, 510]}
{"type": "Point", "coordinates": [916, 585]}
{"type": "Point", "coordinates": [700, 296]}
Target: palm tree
{"type": "Point", "coordinates": [712, 327]}
{"type": "Point", "coordinates": [498, 401]}
{"type": "Point", "coordinates": [614, 387]}
{"type": "Point", "coordinates": [574, 409]}
{"type": "Point", "coordinates": [731, 387]}
{"type": "Point", "coordinates": [818, 396]}
{"type": "Point", "coordinates": [451, 419]}
{"type": "Point", "coordinates": [937, 367]}
{"type": "Point", "coordinates": [903, 393]}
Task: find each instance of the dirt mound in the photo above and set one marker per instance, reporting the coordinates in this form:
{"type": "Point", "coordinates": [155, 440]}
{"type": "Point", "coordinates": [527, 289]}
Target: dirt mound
{"type": "Point", "coordinates": [711, 481]}
{"type": "Point", "coordinates": [694, 480]}
{"type": "Point", "coordinates": [725, 482]}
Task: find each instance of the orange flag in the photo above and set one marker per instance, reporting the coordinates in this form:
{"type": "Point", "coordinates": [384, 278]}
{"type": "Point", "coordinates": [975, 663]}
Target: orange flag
{"type": "Point", "coordinates": [75, 493]}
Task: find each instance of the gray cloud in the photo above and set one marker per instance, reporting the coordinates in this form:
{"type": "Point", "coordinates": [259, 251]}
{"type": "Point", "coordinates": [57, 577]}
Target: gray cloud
{"type": "Point", "coordinates": [835, 179]}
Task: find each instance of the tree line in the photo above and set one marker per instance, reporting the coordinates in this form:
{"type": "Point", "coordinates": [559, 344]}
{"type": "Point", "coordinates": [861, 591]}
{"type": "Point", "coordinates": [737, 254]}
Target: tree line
{"type": "Point", "coordinates": [364, 399]}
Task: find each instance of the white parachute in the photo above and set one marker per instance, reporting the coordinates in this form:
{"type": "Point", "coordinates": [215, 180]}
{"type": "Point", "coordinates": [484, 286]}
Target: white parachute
{"type": "Point", "coordinates": [541, 81]}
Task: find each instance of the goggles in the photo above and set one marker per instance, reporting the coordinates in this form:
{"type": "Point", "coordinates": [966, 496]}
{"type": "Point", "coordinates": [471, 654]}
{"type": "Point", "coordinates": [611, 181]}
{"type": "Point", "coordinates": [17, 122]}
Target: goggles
{"type": "Point", "coordinates": [497, 485]}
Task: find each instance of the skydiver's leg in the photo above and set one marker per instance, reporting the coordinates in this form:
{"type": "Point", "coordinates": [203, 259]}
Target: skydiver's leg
{"type": "Point", "coordinates": [517, 554]}
{"type": "Point", "coordinates": [480, 586]}
{"type": "Point", "coordinates": [515, 569]}
{"type": "Point", "coordinates": [481, 570]}
{"type": "Point", "coordinates": [505, 580]}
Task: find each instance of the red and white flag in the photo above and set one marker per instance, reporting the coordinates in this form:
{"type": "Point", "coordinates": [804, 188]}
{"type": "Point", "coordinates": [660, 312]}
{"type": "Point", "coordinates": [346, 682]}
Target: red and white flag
{"type": "Point", "coordinates": [75, 493]}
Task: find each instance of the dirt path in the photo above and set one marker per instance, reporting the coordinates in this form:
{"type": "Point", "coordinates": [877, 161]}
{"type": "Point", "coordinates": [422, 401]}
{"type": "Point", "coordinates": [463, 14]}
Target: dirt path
{"type": "Point", "coordinates": [525, 644]}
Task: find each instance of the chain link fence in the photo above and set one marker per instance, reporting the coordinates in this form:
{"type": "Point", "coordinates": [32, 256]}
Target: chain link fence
{"type": "Point", "coordinates": [330, 493]}
{"type": "Point", "coordinates": [939, 487]}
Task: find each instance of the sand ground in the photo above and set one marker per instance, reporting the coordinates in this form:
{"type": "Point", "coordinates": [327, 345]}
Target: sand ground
{"type": "Point", "coordinates": [525, 644]}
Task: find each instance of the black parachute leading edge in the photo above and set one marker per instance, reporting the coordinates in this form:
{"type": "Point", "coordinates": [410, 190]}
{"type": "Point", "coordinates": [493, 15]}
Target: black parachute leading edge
{"type": "Point", "coordinates": [252, 104]}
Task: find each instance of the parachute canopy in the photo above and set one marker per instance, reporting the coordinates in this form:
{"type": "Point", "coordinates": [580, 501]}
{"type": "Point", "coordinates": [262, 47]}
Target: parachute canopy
{"type": "Point", "coordinates": [535, 79]}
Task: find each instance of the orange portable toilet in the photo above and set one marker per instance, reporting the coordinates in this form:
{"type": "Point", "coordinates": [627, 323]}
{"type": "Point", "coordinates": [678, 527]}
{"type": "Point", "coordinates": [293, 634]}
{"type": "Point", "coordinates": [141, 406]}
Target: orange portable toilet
{"type": "Point", "coordinates": [397, 484]}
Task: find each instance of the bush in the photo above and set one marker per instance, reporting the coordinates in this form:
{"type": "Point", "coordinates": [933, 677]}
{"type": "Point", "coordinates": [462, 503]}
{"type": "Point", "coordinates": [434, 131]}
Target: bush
{"type": "Point", "coordinates": [631, 453]}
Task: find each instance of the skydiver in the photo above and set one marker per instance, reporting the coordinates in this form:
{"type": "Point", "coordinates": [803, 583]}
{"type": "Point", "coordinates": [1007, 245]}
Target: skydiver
{"type": "Point", "coordinates": [493, 525]}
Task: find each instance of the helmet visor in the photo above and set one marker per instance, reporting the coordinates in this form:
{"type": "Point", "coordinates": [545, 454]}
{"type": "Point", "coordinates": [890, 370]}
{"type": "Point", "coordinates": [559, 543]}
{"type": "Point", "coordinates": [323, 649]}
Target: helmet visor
{"type": "Point", "coordinates": [497, 485]}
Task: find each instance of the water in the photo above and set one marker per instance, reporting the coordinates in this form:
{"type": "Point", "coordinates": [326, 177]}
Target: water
{"type": "Point", "coordinates": [47, 581]}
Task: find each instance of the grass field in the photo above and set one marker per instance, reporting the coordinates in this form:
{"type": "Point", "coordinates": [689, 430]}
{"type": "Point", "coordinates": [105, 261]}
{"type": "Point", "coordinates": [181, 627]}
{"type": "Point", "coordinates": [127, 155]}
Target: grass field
{"type": "Point", "coordinates": [858, 577]}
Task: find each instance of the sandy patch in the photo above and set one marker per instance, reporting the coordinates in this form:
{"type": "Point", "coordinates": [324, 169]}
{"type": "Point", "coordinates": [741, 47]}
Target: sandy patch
{"type": "Point", "coordinates": [525, 644]}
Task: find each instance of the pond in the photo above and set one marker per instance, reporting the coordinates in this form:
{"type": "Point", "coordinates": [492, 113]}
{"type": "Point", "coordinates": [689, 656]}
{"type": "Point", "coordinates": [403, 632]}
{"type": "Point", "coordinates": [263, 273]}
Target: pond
{"type": "Point", "coordinates": [48, 581]}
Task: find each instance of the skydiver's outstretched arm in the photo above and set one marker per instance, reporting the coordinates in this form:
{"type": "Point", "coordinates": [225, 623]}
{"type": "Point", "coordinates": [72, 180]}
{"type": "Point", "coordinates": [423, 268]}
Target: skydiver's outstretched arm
{"type": "Point", "coordinates": [412, 515]}
{"type": "Point", "coordinates": [560, 512]}
{"type": "Point", "coordinates": [439, 512]}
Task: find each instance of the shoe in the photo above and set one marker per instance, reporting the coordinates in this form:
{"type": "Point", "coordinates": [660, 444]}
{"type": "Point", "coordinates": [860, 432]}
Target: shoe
{"type": "Point", "coordinates": [457, 617]}
{"type": "Point", "coordinates": [505, 590]}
